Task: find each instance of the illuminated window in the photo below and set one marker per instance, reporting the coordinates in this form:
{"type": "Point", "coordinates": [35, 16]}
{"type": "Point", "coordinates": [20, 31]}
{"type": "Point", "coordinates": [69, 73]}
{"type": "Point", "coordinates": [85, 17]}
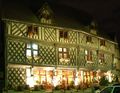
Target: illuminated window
{"type": "Point", "coordinates": [32, 50]}
{"type": "Point", "coordinates": [63, 34]}
{"type": "Point", "coordinates": [88, 39]}
{"type": "Point", "coordinates": [101, 58]}
{"type": "Point", "coordinates": [88, 55]}
{"type": "Point", "coordinates": [63, 53]}
{"type": "Point", "coordinates": [102, 42]}
{"type": "Point", "coordinates": [32, 32]}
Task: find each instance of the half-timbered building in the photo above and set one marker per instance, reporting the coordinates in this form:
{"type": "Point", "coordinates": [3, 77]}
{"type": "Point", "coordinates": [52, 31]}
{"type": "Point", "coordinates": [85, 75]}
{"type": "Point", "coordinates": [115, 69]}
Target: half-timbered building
{"type": "Point", "coordinates": [35, 50]}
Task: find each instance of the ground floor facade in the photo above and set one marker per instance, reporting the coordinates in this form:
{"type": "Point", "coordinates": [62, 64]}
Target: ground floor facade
{"type": "Point", "coordinates": [50, 77]}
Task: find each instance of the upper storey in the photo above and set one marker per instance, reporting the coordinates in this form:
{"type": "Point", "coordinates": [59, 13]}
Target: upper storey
{"type": "Point", "coordinates": [58, 35]}
{"type": "Point", "coordinates": [53, 24]}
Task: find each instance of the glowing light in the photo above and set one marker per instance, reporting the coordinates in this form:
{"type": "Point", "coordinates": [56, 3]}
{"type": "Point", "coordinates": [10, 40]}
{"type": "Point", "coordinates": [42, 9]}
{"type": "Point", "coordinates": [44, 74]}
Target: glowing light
{"type": "Point", "coordinates": [28, 53]}
{"type": "Point", "coordinates": [86, 52]}
{"type": "Point", "coordinates": [48, 68]}
{"type": "Point", "coordinates": [28, 73]}
{"type": "Point", "coordinates": [64, 49]}
{"type": "Point", "coordinates": [109, 74]}
{"type": "Point", "coordinates": [76, 81]}
{"type": "Point", "coordinates": [60, 49]}
{"type": "Point", "coordinates": [35, 46]}
{"type": "Point", "coordinates": [82, 75]}
{"type": "Point", "coordinates": [30, 79]}
{"type": "Point", "coordinates": [55, 81]}
{"type": "Point", "coordinates": [67, 60]}
{"type": "Point", "coordinates": [64, 78]}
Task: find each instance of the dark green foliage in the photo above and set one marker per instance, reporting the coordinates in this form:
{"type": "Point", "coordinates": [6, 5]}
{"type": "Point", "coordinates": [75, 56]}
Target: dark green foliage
{"type": "Point", "coordinates": [57, 87]}
{"type": "Point", "coordinates": [36, 88]}
{"type": "Point", "coordinates": [72, 84]}
{"type": "Point", "coordinates": [41, 87]}
{"type": "Point", "coordinates": [20, 88]}
{"type": "Point", "coordinates": [103, 81]}
{"type": "Point", "coordinates": [26, 87]}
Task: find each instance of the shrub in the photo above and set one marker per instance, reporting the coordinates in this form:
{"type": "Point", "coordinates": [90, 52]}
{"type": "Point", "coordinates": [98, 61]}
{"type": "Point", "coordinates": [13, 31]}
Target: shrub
{"type": "Point", "coordinates": [19, 88]}
{"type": "Point", "coordinates": [103, 81]}
{"type": "Point", "coordinates": [57, 87]}
{"type": "Point", "coordinates": [41, 86]}
{"type": "Point", "coordinates": [26, 87]}
{"type": "Point", "coordinates": [36, 88]}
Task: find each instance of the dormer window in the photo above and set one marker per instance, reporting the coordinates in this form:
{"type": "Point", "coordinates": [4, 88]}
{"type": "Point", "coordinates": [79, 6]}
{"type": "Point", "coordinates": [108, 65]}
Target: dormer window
{"type": "Point", "coordinates": [102, 42]}
{"type": "Point", "coordinates": [45, 14]}
{"type": "Point", "coordinates": [32, 32]}
{"type": "Point", "coordinates": [45, 17]}
{"type": "Point", "coordinates": [88, 39]}
{"type": "Point", "coordinates": [93, 28]}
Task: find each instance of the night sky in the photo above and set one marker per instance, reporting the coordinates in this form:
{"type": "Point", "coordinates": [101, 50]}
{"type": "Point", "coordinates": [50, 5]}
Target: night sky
{"type": "Point", "coordinates": [106, 12]}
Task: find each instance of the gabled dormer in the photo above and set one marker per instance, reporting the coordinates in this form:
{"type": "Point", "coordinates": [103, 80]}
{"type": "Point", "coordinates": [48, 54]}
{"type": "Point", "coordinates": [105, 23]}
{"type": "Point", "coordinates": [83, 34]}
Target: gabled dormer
{"type": "Point", "coordinates": [93, 28]}
{"type": "Point", "coordinates": [45, 14]}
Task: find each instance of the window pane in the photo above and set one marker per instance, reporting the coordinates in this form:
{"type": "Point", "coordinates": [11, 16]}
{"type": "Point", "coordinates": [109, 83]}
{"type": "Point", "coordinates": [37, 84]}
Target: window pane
{"type": "Point", "coordinates": [36, 30]}
{"type": "Point", "coordinates": [65, 50]}
{"type": "Point", "coordinates": [61, 34]}
{"type": "Point", "coordinates": [35, 53]}
{"type": "Point", "coordinates": [89, 39]}
{"type": "Point", "coordinates": [28, 45]}
{"type": "Point", "coordinates": [60, 55]}
{"type": "Point", "coordinates": [86, 52]}
{"type": "Point", "coordinates": [28, 52]}
{"type": "Point", "coordinates": [65, 34]}
{"type": "Point", "coordinates": [60, 49]}
{"type": "Point", "coordinates": [35, 46]}
{"type": "Point", "coordinates": [65, 55]}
